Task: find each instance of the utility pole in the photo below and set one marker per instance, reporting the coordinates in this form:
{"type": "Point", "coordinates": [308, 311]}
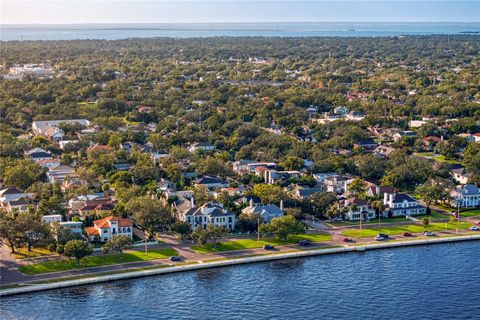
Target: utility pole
{"type": "Point", "coordinates": [258, 230]}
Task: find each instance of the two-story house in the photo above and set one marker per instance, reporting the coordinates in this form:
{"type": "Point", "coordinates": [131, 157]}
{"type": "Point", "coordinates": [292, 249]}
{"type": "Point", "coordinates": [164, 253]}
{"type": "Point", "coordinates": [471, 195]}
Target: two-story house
{"type": "Point", "coordinates": [209, 213]}
{"type": "Point", "coordinates": [106, 228]}
{"type": "Point", "coordinates": [466, 196]}
{"type": "Point", "coordinates": [400, 204]}
{"type": "Point", "coordinates": [358, 209]}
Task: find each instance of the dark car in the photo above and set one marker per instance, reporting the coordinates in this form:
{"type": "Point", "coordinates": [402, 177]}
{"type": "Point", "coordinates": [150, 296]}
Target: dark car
{"type": "Point", "coordinates": [268, 247]}
{"type": "Point", "coordinates": [407, 234]}
{"type": "Point", "coordinates": [174, 259]}
{"type": "Point", "coordinates": [383, 235]}
{"type": "Point", "coordinates": [347, 240]}
{"type": "Point", "coordinates": [304, 243]}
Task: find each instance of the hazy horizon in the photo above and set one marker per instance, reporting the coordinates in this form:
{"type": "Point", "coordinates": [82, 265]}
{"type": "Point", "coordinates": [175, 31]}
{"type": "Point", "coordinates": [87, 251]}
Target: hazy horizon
{"type": "Point", "coordinates": [70, 12]}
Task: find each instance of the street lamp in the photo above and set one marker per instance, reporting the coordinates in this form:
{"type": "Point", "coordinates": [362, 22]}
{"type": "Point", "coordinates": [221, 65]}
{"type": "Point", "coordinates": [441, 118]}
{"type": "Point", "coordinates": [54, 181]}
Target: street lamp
{"type": "Point", "coordinates": [258, 229]}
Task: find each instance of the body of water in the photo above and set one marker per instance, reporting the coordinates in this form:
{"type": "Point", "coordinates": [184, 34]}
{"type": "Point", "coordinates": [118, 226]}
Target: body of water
{"type": "Point", "coordinates": [189, 30]}
{"type": "Point", "coordinates": [428, 282]}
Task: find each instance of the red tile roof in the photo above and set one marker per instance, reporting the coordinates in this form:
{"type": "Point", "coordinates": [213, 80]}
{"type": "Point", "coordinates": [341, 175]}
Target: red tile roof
{"type": "Point", "coordinates": [105, 222]}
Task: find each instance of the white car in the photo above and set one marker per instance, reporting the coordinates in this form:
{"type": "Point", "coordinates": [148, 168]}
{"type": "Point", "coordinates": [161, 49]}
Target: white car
{"type": "Point", "coordinates": [380, 238]}
{"type": "Point", "coordinates": [429, 234]}
{"type": "Point", "coordinates": [474, 228]}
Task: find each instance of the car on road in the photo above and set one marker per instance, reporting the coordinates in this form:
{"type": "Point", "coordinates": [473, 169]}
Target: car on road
{"type": "Point", "coordinates": [268, 247]}
{"type": "Point", "coordinates": [429, 234]}
{"type": "Point", "coordinates": [477, 223]}
{"type": "Point", "coordinates": [475, 228]}
{"type": "Point", "coordinates": [407, 234]}
{"type": "Point", "coordinates": [175, 259]}
{"type": "Point", "coordinates": [380, 238]}
{"type": "Point", "coordinates": [384, 235]}
{"type": "Point", "coordinates": [304, 243]}
{"type": "Point", "coordinates": [347, 240]}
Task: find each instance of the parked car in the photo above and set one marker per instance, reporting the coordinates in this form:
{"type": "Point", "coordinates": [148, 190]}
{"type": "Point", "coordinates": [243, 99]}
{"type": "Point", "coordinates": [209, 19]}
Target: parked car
{"type": "Point", "coordinates": [304, 243]}
{"type": "Point", "coordinates": [347, 240]}
{"type": "Point", "coordinates": [475, 228]}
{"type": "Point", "coordinates": [268, 247]}
{"type": "Point", "coordinates": [429, 234]}
{"type": "Point", "coordinates": [384, 235]}
{"type": "Point", "coordinates": [380, 238]}
{"type": "Point", "coordinates": [477, 223]}
{"type": "Point", "coordinates": [174, 259]}
{"type": "Point", "coordinates": [407, 234]}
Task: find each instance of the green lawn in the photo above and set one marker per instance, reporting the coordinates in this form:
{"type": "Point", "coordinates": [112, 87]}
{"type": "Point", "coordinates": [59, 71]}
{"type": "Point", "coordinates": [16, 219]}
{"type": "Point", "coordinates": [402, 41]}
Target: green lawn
{"type": "Point", "coordinates": [252, 243]}
{"type": "Point", "coordinates": [96, 261]}
{"type": "Point", "coordinates": [22, 253]}
{"type": "Point", "coordinates": [412, 228]}
{"type": "Point", "coordinates": [470, 213]}
{"type": "Point", "coordinates": [437, 157]}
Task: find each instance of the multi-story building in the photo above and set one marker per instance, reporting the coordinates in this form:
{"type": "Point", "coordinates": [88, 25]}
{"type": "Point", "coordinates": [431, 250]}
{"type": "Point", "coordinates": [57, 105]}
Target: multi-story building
{"type": "Point", "coordinates": [106, 228]}
{"type": "Point", "coordinates": [466, 196]}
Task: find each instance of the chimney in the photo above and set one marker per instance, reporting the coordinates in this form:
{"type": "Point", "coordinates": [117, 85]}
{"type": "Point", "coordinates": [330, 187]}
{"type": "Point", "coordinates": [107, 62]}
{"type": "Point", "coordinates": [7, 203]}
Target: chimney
{"type": "Point", "coordinates": [281, 205]}
{"type": "Point", "coordinates": [377, 191]}
{"type": "Point", "coordinates": [391, 197]}
{"type": "Point", "coordinates": [385, 198]}
{"type": "Point", "coordinates": [251, 203]}
{"type": "Point", "coordinates": [192, 202]}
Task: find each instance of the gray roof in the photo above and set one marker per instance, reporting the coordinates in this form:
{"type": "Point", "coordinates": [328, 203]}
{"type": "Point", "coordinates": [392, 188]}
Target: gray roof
{"type": "Point", "coordinates": [401, 197]}
{"type": "Point", "coordinates": [469, 190]}
{"type": "Point", "coordinates": [270, 209]}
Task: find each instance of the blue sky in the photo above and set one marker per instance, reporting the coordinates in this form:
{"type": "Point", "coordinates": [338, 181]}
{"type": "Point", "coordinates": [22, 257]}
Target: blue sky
{"type": "Point", "coordinates": [163, 11]}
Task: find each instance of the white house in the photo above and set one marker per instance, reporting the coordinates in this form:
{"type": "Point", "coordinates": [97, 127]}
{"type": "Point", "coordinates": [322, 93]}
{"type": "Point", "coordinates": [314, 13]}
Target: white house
{"type": "Point", "coordinates": [209, 213]}
{"type": "Point", "coordinates": [51, 130]}
{"type": "Point", "coordinates": [201, 146]}
{"type": "Point", "coordinates": [51, 218]}
{"type": "Point", "coordinates": [59, 173]}
{"type": "Point", "coordinates": [400, 204]}
{"type": "Point", "coordinates": [358, 208]}
{"type": "Point", "coordinates": [106, 228]}
{"type": "Point", "coordinates": [466, 196]}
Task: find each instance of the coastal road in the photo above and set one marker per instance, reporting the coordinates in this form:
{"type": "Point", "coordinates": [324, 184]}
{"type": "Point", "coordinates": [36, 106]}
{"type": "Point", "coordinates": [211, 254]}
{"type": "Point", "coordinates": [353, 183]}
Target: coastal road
{"type": "Point", "coordinates": [11, 275]}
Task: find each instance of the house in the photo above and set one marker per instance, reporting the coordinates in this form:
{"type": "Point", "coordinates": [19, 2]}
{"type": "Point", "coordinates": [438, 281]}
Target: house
{"type": "Point", "coordinates": [404, 135]}
{"type": "Point", "coordinates": [40, 155]}
{"type": "Point", "coordinates": [376, 191]}
{"type": "Point", "coordinates": [304, 193]}
{"type": "Point", "coordinates": [266, 211]}
{"type": "Point", "coordinates": [73, 226]}
{"type": "Point", "coordinates": [384, 151]}
{"type": "Point", "coordinates": [48, 163]}
{"type": "Point", "coordinates": [60, 173]}
{"type": "Point", "coordinates": [358, 209]}
{"type": "Point", "coordinates": [51, 130]}
{"type": "Point", "coordinates": [430, 142]}
{"type": "Point", "coordinates": [366, 145]}
{"type": "Point", "coordinates": [272, 176]}
{"type": "Point", "coordinates": [211, 182]}
{"type": "Point", "coordinates": [209, 213]}
{"type": "Point", "coordinates": [106, 228]}
{"type": "Point", "coordinates": [246, 200]}
{"type": "Point", "coordinates": [466, 196]}
{"type": "Point", "coordinates": [459, 173]}
{"type": "Point", "coordinates": [476, 136]}
{"type": "Point", "coordinates": [201, 146]}
{"type": "Point", "coordinates": [336, 184]}
{"type": "Point", "coordinates": [400, 204]}
{"type": "Point", "coordinates": [14, 199]}
{"type": "Point", "coordinates": [341, 110]}
{"type": "Point", "coordinates": [249, 166]}
{"type": "Point", "coordinates": [51, 218]}
{"type": "Point", "coordinates": [467, 136]}
{"type": "Point", "coordinates": [355, 116]}
{"type": "Point", "coordinates": [99, 148]}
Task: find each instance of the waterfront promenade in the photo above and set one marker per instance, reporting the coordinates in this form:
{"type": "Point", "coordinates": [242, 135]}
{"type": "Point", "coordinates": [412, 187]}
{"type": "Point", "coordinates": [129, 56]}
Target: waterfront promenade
{"type": "Point", "coordinates": [12, 278]}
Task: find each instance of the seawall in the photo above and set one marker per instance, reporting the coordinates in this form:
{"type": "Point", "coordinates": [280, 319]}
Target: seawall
{"type": "Point", "coordinates": [230, 262]}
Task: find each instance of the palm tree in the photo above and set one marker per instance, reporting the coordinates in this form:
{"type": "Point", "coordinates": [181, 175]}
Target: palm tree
{"type": "Point", "coordinates": [379, 207]}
